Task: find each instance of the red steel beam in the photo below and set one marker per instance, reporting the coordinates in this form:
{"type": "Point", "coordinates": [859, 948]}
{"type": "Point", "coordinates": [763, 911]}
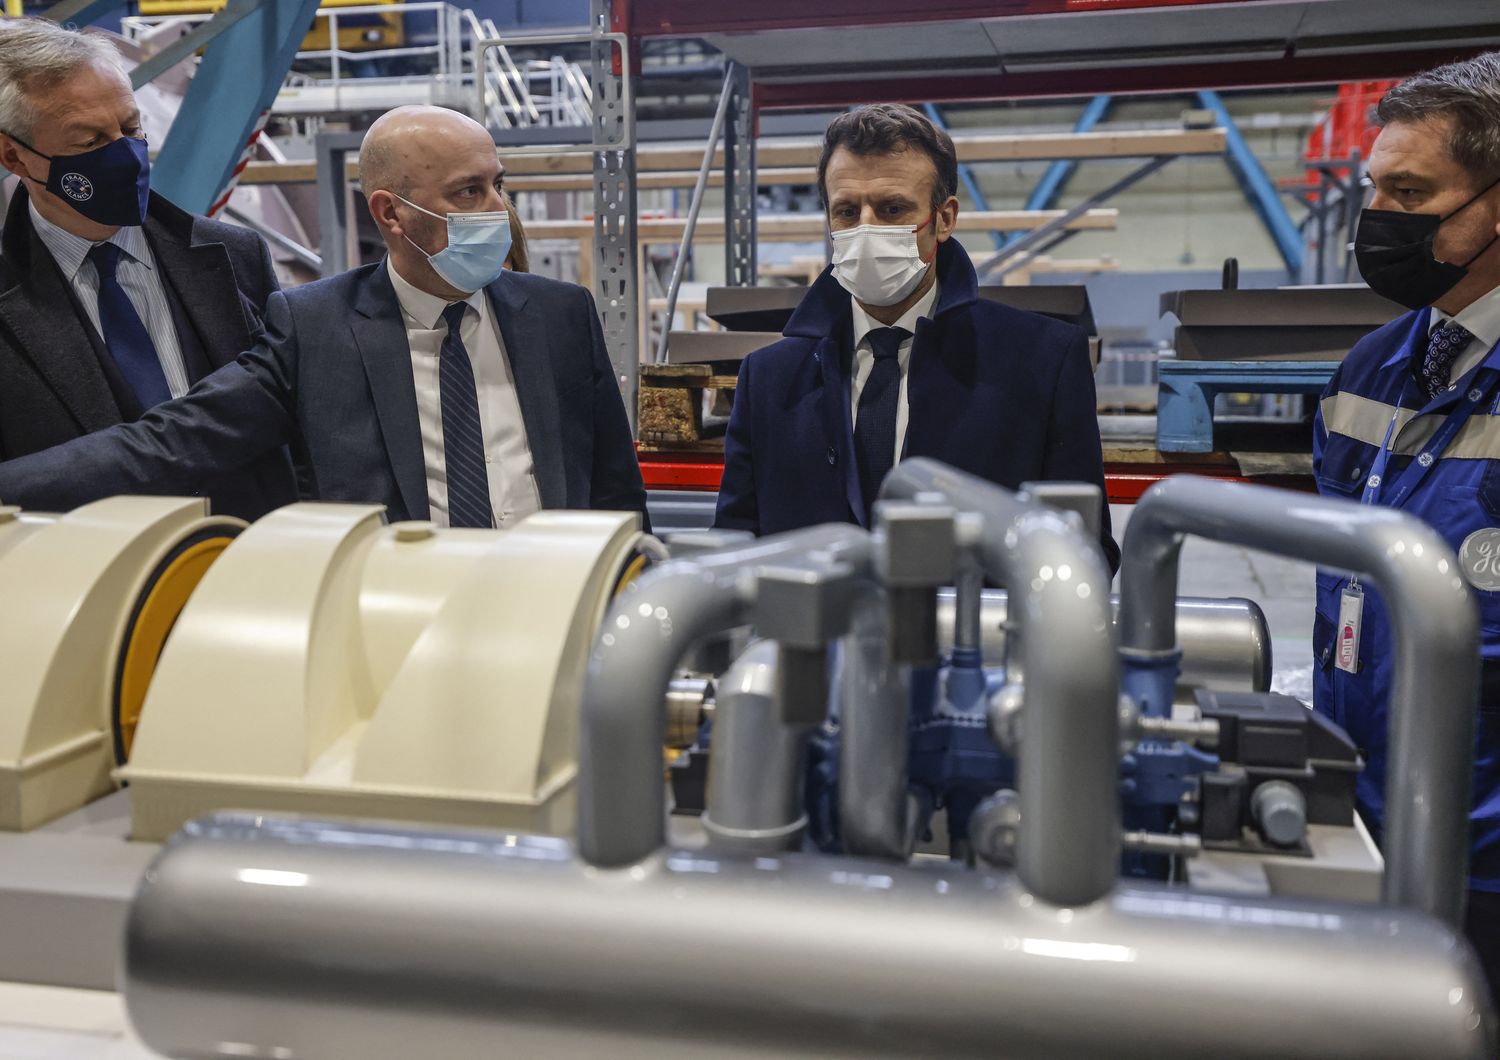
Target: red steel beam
{"type": "Point", "coordinates": [701, 474]}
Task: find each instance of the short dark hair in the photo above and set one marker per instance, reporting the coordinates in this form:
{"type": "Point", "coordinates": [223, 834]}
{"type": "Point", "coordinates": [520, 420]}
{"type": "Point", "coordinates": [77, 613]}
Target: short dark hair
{"type": "Point", "coordinates": [1469, 93]}
{"type": "Point", "coordinates": [890, 128]}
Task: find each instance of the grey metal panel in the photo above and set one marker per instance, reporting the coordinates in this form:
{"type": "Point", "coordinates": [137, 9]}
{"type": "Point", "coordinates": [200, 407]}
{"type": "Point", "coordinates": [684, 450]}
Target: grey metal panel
{"type": "Point", "coordinates": [1096, 31]}
{"type": "Point", "coordinates": [697, 347]}
{"type": "Point", "coordinates": [674, 510]}
{"type": "Point", "coordinates": [616, 279]}
{"type": "Point", "coordinates": [65, 890]}
{"type": "Point", "coordinates": [740, 250]}
{"type": "Point", "coordinates": [1300, 306]}
{"type": "Point", "coordinates": [874, 46]}
{"type": "Point", "coordinates": [1265, 29]}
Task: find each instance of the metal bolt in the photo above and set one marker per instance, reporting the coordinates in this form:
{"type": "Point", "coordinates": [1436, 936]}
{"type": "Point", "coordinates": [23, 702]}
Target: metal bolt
{"type": "Point", "coordinates": [414, 531]}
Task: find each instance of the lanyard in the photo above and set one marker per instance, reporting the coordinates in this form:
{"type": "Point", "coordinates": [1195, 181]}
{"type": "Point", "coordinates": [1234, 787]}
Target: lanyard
{"type": "Point", "coordinates": [1397, 494]}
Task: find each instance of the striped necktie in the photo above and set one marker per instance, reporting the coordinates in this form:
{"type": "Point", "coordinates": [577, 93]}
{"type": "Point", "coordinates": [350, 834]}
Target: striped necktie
{"type": "Point", "coordinates": [463, 435]}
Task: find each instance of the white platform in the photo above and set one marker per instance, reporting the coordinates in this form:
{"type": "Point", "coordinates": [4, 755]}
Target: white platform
{"type": "Point", "coordinates": [52, 1023]}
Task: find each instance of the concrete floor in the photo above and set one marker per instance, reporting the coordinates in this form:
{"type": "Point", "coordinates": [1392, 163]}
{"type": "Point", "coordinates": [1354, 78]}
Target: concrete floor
{"type": "Point", "coordinates": [1283, 588]}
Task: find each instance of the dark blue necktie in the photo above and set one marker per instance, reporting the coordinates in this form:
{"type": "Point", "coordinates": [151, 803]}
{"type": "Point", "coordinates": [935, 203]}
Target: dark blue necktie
{"type": "Point", "coordinates": [463, 437]}
{"type": "Point", "coordinates": [126, 338]}
{"type": "Point", "coordinates": [875, 425]}
{"type": "Point", "coordinates": [1443, 348]}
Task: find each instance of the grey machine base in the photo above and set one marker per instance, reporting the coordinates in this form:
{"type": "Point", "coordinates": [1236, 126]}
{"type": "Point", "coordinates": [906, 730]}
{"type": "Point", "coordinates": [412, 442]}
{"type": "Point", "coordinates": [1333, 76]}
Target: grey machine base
{"type": "Point", "coordinates": [66, 887]}
{"type": "Point", "coordinates": [64, 892]}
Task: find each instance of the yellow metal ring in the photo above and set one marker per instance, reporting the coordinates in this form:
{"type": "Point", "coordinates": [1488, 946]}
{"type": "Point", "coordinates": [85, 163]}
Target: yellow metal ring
{"type": "Point", "coordinates": [155, 614]}
{"type": "Point", "coordinates": [633, 570]}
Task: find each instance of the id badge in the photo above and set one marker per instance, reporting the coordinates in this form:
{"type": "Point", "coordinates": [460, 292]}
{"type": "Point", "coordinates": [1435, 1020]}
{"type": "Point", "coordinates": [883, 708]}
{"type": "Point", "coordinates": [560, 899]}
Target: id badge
{"type": "Point", "coordinates": [1351, 609]}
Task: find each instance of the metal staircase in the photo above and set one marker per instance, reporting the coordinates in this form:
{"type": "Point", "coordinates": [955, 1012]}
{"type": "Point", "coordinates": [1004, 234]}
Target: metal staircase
{"type": "Point", "coordinates": [446, 56]}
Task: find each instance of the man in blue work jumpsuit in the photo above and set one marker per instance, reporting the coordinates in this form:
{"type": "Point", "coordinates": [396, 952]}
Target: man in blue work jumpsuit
{"type": "Point", "coordinates": [1412, 420]}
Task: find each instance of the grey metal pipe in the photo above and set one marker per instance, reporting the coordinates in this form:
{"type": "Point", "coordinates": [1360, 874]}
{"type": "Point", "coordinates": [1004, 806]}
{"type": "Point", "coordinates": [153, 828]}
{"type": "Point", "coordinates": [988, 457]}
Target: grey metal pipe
{"type": "Point", "coordinates": [621, 800]}
{"type": "Point", "coordinates": [1225, 642]}
{"type": "Point", "coordinates": [1435, 627]}
{"type": "Point", "coordinates": [695, 205]}
{"type": "Point", "coordinates": [262, 937]}
{"type": "Point", "coordinates": [755, 774]}
{"type": "Point", "coordinates": [874, 804]}
{"type": "Point", "coordinates": [1068, 764]}
{"type": "Point", "coordinates": [968, 603]}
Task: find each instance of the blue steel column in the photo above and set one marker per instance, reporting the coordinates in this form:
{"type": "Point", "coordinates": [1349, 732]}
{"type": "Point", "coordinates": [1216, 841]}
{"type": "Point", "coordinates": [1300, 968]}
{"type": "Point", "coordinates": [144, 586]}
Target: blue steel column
{"type": "Point", "coordinates": [238, 78]}
{"type": "Point", "coordinates": [1258, 188]}
{"type": "Point", "coordinates": [79, 12]}
{"type": "Point", "coordinates": [1051, 185]}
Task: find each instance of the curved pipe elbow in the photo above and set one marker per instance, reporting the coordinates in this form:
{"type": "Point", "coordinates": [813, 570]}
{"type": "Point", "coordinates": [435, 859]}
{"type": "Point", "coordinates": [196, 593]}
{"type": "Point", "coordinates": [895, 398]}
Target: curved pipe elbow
{"type": "Point", "coordinates": [648, 629]}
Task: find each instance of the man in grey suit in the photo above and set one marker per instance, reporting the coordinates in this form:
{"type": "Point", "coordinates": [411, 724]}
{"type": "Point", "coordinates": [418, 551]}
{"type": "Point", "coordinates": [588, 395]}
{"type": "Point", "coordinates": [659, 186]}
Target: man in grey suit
{"type": "Point", "coordinates": [112, 300]}
{"type": "Point", "coordinates": [431, 382]}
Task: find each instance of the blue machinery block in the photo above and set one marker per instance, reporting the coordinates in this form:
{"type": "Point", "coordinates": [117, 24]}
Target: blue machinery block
{"type": "Point", "coordinates": [1186, 392]}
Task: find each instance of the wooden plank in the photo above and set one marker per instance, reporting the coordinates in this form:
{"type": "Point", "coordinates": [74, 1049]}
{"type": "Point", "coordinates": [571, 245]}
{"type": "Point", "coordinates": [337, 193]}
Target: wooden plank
{"type": "Point", "coordinates": [1036, 147]}
{"type": "Point", "coordinates": [673, 373]}
{"type": "Point", "coordinates": [796, 227]}
{"type": "Point", "coordinates": [790, 161]}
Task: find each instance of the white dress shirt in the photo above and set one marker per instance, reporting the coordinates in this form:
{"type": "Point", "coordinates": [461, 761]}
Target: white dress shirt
{"type": "Point", "coordinates": [864, 357]}
{"type": "Point", "coordinates": [139, 279]}
{"type": "Point", "coordinates": [1480, 318]}
{"type": "Point", "coordinates": [507, 454]}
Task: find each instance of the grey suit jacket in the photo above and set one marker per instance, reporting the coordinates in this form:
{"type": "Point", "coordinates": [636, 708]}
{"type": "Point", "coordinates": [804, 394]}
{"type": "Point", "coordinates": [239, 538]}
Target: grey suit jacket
{"type": "Point", "coordinates": [331, 373]}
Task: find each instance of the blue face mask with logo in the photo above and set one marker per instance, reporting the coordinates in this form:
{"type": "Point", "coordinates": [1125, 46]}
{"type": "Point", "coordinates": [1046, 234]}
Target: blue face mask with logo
{"type": "Point", "coordinates": [477, 247]}
{"type": "Point", "coordinates": [109, 185]}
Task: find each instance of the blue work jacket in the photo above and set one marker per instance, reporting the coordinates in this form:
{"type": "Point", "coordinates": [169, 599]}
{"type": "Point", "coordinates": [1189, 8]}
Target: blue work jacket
{"type": "Point", "coordinates": [1459, 496]}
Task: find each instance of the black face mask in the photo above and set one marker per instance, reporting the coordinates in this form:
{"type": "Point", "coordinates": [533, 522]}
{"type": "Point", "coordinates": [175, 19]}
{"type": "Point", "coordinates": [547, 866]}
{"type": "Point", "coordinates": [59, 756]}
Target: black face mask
{"type": "Point", "coordinates": [1394, 252]}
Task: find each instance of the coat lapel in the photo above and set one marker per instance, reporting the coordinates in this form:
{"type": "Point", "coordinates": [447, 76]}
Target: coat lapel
{"type": "Point", "coordinates": [202, 277]}
{"type": "Point", "coordinates": [527, 350]}
{"type": "Point", "coordinates": [380, 334]}
{"type": "Point", "coordinates": [41, 316]}
{"type": "Point", "coordinates": [838, 427]}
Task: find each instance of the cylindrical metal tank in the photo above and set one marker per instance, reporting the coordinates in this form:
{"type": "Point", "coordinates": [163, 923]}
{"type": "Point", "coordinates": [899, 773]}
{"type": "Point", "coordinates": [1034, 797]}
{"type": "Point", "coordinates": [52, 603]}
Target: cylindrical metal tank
{"type": "Point", "coordinates": [326, 941]}
{"type": "Point", "coordinates": [1226, 643]}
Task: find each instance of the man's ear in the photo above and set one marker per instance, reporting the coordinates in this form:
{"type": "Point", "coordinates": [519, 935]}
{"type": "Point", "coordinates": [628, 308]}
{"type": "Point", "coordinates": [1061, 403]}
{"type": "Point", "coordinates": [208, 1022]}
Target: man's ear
{"type": "Point", "coordinates": [10, 156]}
{"type": "Point", "coordinates": [947, 218]}
{"type": "Point", "coordinates": [382, 205]}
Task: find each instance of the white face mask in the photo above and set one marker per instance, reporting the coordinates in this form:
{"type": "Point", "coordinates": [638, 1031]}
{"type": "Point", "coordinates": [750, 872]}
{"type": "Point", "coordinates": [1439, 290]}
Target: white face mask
{"type": "Point", "coordinates": [879, 264]}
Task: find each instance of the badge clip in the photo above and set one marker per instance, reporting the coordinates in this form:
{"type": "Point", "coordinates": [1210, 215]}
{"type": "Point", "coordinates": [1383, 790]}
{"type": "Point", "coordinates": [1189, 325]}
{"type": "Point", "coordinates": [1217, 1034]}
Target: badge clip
{"type": "Point", "coordinates": [1351, 611]}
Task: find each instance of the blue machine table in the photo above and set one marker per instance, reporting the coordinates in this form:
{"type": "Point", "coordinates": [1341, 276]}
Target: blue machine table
{"type": "Point", "coordinates": [1186, 392]}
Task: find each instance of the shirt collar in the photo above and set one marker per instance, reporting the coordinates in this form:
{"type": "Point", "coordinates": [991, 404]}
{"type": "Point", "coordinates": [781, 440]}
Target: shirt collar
{"type": "Point", "coordinates": [70, 251]}
{"type": "Point", "coordinates": [864, 323]}
{"type": "Point", "coordinates": [1480, 318]}
{"type": "Point", "coordinates": [425, 310]}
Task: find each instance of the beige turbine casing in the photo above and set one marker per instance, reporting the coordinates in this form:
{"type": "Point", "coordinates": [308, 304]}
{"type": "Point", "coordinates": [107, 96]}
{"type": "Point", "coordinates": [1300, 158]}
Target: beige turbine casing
{"type": "Point", "coordinates": [330, 664]}
{"type": "Point", "coordinates": [70, 584]}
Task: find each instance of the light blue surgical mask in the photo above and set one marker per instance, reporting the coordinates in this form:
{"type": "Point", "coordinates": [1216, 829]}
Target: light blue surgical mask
{"type": "Point", "coordinates": [478, 244]}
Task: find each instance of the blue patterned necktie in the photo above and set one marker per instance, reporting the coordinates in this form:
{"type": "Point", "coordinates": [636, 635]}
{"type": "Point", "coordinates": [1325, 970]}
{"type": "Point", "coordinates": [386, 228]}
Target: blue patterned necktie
{"type": "Point", "coordinates": [1443, 347]}
{"type": "Point", "coordinates": [126, 338]}
{"type": "Point", "coordinates": [463, 436]}
{"type": "Point", "coordinates": [875, 426]}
